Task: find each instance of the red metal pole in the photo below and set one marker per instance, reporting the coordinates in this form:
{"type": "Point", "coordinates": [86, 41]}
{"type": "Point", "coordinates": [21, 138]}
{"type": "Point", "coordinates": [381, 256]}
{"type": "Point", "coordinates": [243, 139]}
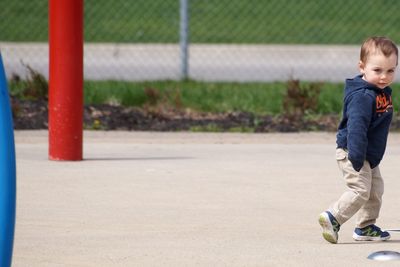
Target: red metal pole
{"type": "Point", "coordinates": [65, 79]}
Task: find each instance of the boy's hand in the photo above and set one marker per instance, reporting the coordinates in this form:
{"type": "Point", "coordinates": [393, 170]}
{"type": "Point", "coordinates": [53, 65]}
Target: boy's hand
{"type": "Point", "coordinates": [356, 165]}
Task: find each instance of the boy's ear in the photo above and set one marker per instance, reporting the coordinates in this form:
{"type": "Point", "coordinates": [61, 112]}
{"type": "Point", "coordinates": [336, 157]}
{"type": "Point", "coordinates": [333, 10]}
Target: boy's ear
{"type": "Point", "coordinates": [361, 66]}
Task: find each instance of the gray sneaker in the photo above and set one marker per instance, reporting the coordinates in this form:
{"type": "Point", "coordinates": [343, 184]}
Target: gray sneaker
{"type": "Point", "coordinates": [370, 233]}
{"type": "Point", "coordinates": [330, 227]}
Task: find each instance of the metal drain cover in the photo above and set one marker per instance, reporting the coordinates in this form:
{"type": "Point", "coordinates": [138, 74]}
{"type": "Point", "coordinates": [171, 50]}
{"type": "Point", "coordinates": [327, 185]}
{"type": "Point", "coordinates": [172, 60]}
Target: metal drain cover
{"type": "Point", "coordinates": [385, 255]}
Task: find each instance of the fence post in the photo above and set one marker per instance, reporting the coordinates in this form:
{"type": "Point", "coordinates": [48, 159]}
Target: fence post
{"type": "Point", "coordinates": [65, 79]}
{"type": "Point", "coordinates": [184, 38]}
{"type": "Point", "coordinates": [7, 174]}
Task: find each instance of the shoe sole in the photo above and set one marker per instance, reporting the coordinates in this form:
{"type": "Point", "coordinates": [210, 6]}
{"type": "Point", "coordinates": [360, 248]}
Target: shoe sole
{"type": "Point", "coordinates": [328, 232]}
{"type": "Point", "coordinates": [369, 238]}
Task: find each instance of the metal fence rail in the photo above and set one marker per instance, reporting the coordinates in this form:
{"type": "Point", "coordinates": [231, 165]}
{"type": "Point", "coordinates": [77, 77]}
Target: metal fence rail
{"type": "Point", "coordinates": [226, 40]}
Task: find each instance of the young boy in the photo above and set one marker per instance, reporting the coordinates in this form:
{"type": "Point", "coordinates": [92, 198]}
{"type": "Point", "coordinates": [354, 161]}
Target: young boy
{"type": "Point", "coordinates": [361, 142]}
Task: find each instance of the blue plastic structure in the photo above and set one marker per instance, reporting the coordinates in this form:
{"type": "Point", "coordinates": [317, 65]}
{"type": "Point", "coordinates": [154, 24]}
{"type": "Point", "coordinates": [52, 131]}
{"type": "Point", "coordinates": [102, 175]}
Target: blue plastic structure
{"type": "Point", "coordinates": [7, 174]}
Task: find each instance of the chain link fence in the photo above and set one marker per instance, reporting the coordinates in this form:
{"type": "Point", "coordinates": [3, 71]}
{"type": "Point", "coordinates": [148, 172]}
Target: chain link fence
{"type": "Point", "coordinates": [225, 40]}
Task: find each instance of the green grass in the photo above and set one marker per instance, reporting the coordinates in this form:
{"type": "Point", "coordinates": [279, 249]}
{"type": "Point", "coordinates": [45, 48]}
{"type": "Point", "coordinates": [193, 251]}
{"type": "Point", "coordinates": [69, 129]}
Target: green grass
{"type": "Point", "coordinates": [214, 97]}
{"type": "Point", "coordinates": [257, 98]}
{"type": "Point", "coordinates": [224, 21]}
{"type": "Point", "coordinates": [201, 96]}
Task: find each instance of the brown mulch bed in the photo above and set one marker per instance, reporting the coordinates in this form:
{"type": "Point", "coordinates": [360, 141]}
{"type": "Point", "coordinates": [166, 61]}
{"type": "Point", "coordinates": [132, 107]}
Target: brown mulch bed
{"type": "Point", "coordinates": [34, 115]}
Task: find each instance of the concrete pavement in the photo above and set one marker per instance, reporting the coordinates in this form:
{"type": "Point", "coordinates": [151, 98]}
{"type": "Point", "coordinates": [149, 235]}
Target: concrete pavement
{"type": "Point", "coordinates": [189, 199]}
{"type": "Point", "coordinates": [224, 62]}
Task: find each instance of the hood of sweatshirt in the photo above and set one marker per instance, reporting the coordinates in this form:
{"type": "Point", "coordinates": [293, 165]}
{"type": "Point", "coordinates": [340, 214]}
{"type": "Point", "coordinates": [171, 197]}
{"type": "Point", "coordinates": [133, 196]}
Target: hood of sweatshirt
{"type": "Point", "coordinates": [356, 84]}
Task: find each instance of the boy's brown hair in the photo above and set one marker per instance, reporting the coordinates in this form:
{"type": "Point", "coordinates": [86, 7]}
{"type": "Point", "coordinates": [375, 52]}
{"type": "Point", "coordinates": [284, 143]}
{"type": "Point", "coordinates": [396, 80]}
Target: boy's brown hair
{"type": "Point", "coordinates": [378, 43]}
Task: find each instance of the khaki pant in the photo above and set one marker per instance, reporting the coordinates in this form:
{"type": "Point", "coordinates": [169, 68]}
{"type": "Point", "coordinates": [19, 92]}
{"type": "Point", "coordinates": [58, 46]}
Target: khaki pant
{"type": "Point", "coordinates": [363, 195]}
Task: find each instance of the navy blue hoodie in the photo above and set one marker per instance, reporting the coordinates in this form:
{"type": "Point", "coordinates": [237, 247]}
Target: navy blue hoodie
{"type": "Point", "coordinates": [367, 114]}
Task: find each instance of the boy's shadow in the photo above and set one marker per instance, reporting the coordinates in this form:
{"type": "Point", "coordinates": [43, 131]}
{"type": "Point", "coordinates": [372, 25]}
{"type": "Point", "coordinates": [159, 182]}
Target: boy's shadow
{"type": "Point", "coordinates": [135, 158]}
{"type": "Point", "coordinates": [391, 241]}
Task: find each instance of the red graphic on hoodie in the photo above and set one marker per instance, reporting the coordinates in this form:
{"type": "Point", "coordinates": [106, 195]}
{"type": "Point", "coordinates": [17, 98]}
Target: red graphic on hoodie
{"type": "Point", "coordinates": [383, 103]}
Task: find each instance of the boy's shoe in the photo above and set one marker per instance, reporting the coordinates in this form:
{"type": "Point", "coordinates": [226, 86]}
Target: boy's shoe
{"type": "Point", "coordinates": [370, 233]}
{"type": "Point", "coordinates": [330, 227]}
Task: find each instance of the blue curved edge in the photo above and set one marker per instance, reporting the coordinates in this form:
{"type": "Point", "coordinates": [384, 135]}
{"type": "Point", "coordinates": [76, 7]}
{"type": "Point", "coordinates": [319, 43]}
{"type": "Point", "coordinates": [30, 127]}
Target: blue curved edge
{"type": "Point", "coordinates": [7, 174]}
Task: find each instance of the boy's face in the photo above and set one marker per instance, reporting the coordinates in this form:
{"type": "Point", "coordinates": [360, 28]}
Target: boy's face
{"type": "Point", "coordinates": [379, 69]}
